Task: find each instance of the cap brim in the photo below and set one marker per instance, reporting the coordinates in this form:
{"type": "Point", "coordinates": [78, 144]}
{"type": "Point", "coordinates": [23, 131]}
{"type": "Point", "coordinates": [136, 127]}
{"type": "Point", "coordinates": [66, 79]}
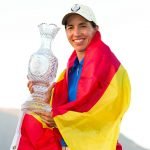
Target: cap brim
{"type": "Point", "coordinates": [65, 18]}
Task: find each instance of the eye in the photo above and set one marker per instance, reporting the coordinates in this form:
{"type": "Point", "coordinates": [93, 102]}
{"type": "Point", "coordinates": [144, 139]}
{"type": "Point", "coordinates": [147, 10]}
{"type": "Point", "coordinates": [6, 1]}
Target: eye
{"type": "Point", "coordinates": [69, 27]}
{"type": "Point", "coordinates": [83, 25]}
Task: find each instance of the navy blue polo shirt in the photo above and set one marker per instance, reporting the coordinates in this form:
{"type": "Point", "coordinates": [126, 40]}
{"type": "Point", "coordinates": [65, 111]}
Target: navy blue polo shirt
{"type": "Point", "coordinates": [73, 78]}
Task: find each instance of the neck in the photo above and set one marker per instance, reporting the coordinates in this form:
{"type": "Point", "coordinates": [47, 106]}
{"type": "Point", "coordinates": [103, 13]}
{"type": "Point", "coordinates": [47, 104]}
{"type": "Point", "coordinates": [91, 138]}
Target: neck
{"type": "Point", "coordinates": [80, 55]}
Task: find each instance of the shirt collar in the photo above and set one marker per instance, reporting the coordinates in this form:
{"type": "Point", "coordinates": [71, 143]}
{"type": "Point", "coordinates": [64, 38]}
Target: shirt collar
{"type": "Point", "coordinates": [77, 62]}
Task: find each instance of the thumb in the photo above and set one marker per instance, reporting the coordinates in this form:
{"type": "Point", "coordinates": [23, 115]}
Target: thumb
{"type": "Point", "coordinates": [49, 92]}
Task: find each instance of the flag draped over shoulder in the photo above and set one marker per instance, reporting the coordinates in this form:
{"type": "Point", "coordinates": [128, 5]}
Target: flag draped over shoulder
{"type": "Point", "coordinates": [92, 121]}
{"type": "Point", "coordinates": [36, 135]}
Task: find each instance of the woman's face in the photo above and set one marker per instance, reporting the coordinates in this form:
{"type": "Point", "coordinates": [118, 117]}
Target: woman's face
{"type": "Point", "coordinates": [79, 32]}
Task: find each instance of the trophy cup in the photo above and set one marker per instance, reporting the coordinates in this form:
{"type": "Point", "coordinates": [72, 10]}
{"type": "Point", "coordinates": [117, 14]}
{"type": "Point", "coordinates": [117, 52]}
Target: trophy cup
{"type": "Point", "coordinates": [42, 69]}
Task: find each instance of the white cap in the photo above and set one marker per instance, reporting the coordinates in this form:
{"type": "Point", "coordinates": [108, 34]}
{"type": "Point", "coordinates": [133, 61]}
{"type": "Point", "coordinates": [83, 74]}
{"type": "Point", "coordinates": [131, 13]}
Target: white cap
{"type": "Point", "coordinates": [81, 10]}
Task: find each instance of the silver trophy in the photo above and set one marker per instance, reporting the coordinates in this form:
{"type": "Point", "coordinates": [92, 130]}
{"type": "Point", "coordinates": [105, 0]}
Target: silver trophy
{"type": "Point", "coordinates": [42, 69]}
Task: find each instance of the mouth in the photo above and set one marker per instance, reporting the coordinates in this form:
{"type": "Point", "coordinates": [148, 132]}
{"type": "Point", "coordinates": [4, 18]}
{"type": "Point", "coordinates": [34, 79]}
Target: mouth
{"type": "Point", "coordinates": [78, 41]}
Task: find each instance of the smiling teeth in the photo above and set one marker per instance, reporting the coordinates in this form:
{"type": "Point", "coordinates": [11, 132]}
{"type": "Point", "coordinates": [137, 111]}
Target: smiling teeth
{"type": "Point", "coordinates": [78, 41]}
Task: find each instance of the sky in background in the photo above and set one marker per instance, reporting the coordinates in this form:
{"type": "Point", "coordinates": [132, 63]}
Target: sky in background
{"type": "Point", "coordinates": [124, 26]}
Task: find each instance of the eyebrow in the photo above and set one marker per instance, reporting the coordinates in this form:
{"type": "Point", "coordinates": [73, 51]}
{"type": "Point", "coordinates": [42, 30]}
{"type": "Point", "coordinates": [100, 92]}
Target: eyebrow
{"type": "Point", "coordinates": [82, 23]}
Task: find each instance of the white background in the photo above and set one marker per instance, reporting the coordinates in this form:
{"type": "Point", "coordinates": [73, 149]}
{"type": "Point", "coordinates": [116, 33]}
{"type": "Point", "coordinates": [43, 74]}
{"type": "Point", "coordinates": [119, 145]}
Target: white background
{"type": "Point", "coordinates": [125, 27]}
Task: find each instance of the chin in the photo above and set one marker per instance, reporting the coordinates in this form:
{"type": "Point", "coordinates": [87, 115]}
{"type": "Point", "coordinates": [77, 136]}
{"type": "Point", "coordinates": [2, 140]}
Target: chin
{"type": "Point", "coordinates": [81, 49]}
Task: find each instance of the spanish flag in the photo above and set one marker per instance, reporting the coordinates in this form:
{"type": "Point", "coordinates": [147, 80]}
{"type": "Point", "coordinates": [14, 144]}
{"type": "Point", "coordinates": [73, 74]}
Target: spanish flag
{"type": "Point", "coordinates": [92, 121]}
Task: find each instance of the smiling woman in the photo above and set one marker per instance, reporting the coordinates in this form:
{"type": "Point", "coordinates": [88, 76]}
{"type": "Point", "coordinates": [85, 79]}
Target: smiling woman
{"type": "Point", "coordinates": [79, 33]}
{"type": "Point", "coordinates": [101, 95]}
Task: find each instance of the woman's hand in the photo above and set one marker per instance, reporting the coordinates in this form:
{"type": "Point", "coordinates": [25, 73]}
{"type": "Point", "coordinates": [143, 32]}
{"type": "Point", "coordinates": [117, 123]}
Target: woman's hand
{"type": "Point", "coordinates": [47, 94]}
{"type": "Point", "coordinates": [45, 116]}
{"type": "Point", "coordinates": [30, 86]}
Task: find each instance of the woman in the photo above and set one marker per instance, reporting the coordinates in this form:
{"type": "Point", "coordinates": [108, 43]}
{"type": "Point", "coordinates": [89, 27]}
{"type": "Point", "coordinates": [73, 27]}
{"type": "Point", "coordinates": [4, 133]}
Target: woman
{"type": "Point", "coordinates": [92, 93]}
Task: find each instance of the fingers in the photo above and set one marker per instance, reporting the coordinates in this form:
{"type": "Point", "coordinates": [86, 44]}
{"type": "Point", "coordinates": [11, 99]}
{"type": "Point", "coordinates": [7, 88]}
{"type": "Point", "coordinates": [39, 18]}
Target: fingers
{"type": "Point", "coordinates": [49, 93]}
{"type": "Point", "coordinates": [49, 121]}
{"type": "Point", "coordinates": [43, 113]}
{"type": "Point", "coordinates": [51, 87]}
{"type": "Point", "coordinates": [47, 118]}
{"type": "Point", "coordinates": [30, 86]}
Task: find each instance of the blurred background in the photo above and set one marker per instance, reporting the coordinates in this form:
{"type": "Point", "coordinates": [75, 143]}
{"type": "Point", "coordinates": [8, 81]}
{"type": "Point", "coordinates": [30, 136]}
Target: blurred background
{"type": "Point", "coordinates": [124, 26]}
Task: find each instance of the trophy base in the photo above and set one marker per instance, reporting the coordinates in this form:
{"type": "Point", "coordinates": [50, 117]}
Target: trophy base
{"type": "Point", "coordinates": [35, 106]}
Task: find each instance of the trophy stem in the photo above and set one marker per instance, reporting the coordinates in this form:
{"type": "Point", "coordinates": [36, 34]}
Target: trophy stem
{"type": "Point", "coordinates": [46, 45]}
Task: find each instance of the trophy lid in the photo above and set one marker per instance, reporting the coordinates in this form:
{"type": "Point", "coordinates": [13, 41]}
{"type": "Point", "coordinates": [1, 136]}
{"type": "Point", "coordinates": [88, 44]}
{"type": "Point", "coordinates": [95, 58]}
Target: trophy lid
{"type": "Point", "coordinates": [48, 30]}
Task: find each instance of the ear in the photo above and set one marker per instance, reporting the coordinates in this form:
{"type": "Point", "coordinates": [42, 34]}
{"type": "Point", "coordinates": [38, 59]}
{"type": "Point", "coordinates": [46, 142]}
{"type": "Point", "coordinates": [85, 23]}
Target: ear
{"type": "Point", "coordinates": [97, 27]}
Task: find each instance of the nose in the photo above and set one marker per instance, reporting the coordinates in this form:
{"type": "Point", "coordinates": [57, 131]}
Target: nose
{"type": "Point", "coordinates": [76, 31]}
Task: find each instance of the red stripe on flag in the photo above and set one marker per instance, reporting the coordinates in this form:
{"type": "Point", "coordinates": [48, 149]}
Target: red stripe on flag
{"type": "Point", "coordinates": [35, 137]}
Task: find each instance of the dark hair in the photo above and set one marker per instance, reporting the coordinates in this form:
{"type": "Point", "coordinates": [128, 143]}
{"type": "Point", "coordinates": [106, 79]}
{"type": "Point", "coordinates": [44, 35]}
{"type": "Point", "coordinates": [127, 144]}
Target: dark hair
{"type": "Point", "coordinates": [92, 23]}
